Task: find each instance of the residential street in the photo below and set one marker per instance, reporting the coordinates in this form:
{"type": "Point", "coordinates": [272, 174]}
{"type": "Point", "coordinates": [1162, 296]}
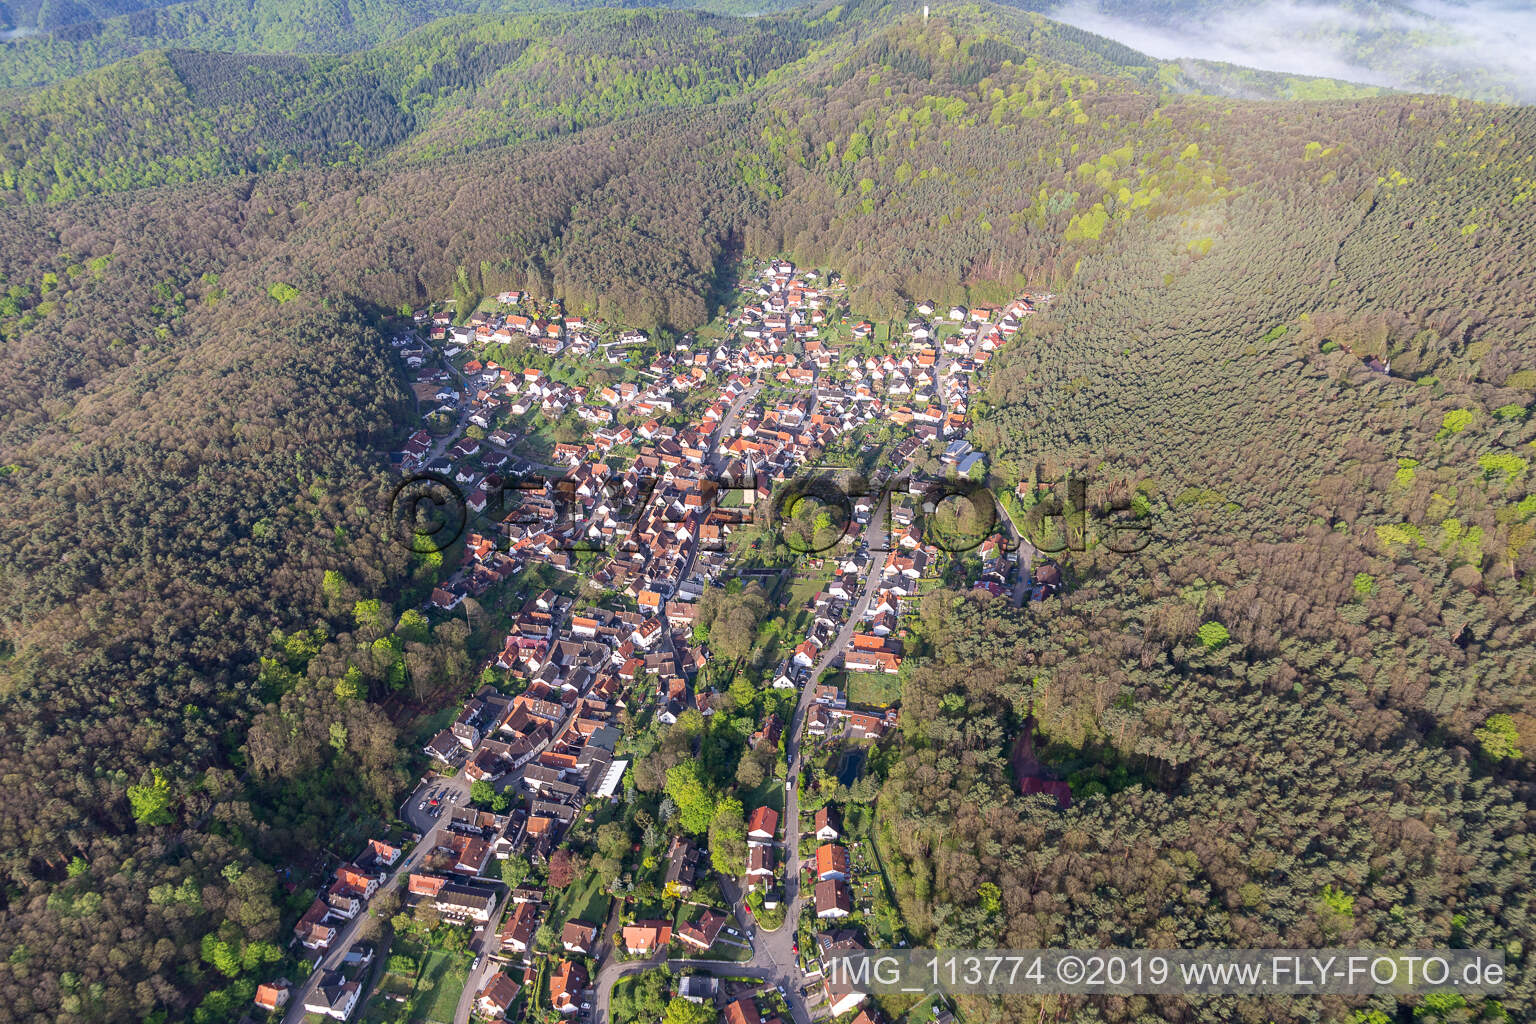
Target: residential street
{"type": "Point", "coordinates": [466, 408]}
{"type": "Point", "coordinates": [346, 934]}
{"type": "Point", "coordinates": [773, 957]}
{"type": "Point", "coordinates": [1026, 556]}
{"type": "Point", "coordinates": [614, 970]}
{"type": "Point", "coordinates": [489, 943]}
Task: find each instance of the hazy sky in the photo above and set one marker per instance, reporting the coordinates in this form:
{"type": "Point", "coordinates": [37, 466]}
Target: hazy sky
{"type": "Point", "coordinates": [1492, 39]}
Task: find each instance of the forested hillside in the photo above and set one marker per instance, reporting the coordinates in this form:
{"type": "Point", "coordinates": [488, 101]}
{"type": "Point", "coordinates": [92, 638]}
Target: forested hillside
{"type": "Point", "coordinates": [81, 36]}
{"type": "Point", "coordinates": [1286, 696]}
{"type": "Point", "coordinates": [464, 84]}
{"type": "Point", "coordinates": [86, 34]}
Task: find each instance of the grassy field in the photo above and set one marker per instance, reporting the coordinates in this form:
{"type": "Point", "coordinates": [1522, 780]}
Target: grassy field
{"type": "Point", "coordinates": [441, 983]}
{"type": "Point", "coordinates": [594, 909]}
{"type": "Point", "coordinates": [431, 995]}
{"type": "Point", "coordinates": [873, 689]}
{"type": "Point", "coordinates": [728, 951]}
{"type": "Point", "coordinates": [585, 901]}
{"type": "Point", "coordinates": [769, 793]}
{"type": "Point", "coordinates": [801, 589]}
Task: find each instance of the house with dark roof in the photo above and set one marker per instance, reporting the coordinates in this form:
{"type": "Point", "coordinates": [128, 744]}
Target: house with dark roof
{"type": "Point", "coordinates": [682, 866]}
{"type": "Point", "coordinates": [759, 865]}
{"type": "Point", "coordinates": [578, 937]}
{"type": "Point", "coordinates": [335, 996]}
{"type": "Point", "coordinates": [833, 899]}
{"type": "Point", "coordinates": [701, 934]}
{"type": "Point", "coordinates": [828, 823]}
{"type": "Point", "coordinates": [497, 995]}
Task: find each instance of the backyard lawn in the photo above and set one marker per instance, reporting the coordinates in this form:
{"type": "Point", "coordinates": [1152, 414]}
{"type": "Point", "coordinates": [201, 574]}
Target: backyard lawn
{"type": "Point", "coordinates": [431, 995]}
{"type": "Point", "coordinates": [873, 689]}
{"type": "Point", "coordinates": [584, 901]}
{"type": "Point", "coordinates": [442, 980]}
{"type": "Point", "coordinates": [769, 793]}
{"type": "Point", "coordinates": [723, 950]}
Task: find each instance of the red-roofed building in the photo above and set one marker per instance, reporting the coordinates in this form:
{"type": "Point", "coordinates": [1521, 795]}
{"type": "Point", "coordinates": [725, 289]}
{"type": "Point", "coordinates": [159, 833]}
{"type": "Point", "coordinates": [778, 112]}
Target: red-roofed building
{"type": "Point", "coordinates": [566, 986]}
{"type": "Point", "coordinates": [273, 996]}
{"type": "Point", "coordinates": [763, 825]}
{"type": "Point", "coordinates": [497, 995]}
{"type": "Point", "coordinates": [644, 936]}
{"type": "Point", "coordinates": [832, 862]}
{"type": "Point", "coordinates": [742, 1011]}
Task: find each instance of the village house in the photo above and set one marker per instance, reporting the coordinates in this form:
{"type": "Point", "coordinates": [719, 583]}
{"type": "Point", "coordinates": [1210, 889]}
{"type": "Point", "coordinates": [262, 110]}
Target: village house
{"type": "Point", "coordinates": [578, 937]}
{"type": "Point", "coordinates": [828, 823]}
{"type": "Point", "coordinates": [833, 899]}
{"type": "Point", "coordinates": [518, 928]}
{"type": "Point", "coordinates": [701, 934]}
{"type": "Point", "coordinates": [315, 929]}
{"type": "Point", "coordinates": [334, 997]}
{"type": "Point", "coordinates": [682, 866]}
{"type": "Point", "coordinates": [762, 825]}
{"type": "Point", "coordinates": [566, 986]}
{"type": "Point", "coordinates": [742, 1011]}
{"type": "Point", "coordinates": [497, 995]}
{"type": "Point", "coordinates": [760, 861]}
{"type": "Point", "coordinates": [832, 863]}
{"type": "Point", "coordinates": [273, 995]}
{"type": "Point", "coordinates": [645, 936]}
{"type": "Point", "coordinates": [844, 996]}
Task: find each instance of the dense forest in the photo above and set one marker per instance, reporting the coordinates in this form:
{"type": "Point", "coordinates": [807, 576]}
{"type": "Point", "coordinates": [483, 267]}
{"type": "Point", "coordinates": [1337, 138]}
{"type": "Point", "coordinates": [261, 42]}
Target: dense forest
{"type": "Point", "coordinates": [59, 39]}
{"type": "Point", "coordinates": [1285, 721]}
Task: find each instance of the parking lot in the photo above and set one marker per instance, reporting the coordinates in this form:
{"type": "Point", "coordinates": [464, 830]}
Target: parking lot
{"type": "Point", "coordinates": [431, 799]}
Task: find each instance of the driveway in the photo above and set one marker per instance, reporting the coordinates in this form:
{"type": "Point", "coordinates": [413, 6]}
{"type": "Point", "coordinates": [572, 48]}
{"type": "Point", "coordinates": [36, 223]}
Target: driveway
{"type": "Point", "coordinates": [1026, 557]}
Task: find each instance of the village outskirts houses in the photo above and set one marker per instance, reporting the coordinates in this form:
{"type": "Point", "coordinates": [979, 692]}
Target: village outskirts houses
{"type": "Point", "coordinates": [635, 489]}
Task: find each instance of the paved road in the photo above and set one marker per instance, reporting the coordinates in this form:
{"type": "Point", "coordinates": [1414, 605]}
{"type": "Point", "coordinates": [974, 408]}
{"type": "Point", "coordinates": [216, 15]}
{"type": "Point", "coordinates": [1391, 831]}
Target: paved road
{"type": "Point", "coordinates": [441, 444]}
{"type": "Point", "coordinates": [1026, 557]}
{"type": "Point", "coordinates": [488, 944]}
{"type": "Point", "coordinates": [422, 819]}
{"type": "Point", "coordinates": [723, 428]}
{"type": "Point", "coordinates": [614, 970]}
{"type": "Point", "coordinates": [347, 932]}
